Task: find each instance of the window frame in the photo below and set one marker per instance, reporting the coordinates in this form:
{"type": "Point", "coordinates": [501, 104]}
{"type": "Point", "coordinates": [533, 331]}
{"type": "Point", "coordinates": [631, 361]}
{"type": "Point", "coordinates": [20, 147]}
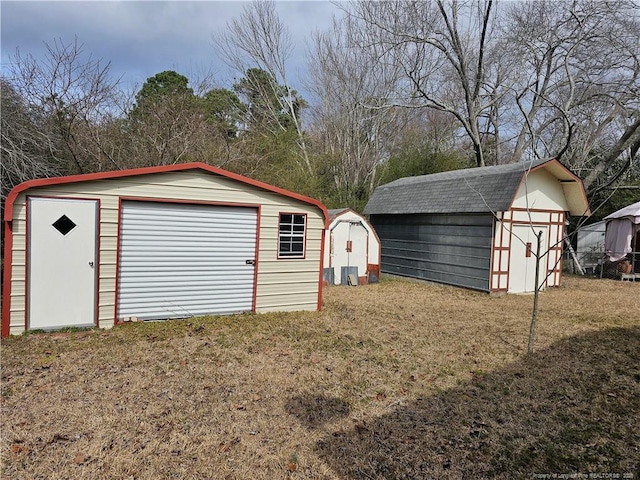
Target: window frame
{"type": "Point", "coordinates": [291, 235]}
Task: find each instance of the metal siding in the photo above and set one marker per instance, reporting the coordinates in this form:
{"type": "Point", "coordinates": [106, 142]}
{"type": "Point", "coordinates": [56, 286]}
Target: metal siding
{"type": "Point", "coordinates": [188, 185]}
{"type": "Point", "coordinates": [451, 249]}
{"type": "Point", "coordinates": [181, 260]}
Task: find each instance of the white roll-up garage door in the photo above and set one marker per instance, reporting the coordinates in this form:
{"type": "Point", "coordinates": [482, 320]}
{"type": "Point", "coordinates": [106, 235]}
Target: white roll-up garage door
{"type": "Point", "coordinates": [180, 260]}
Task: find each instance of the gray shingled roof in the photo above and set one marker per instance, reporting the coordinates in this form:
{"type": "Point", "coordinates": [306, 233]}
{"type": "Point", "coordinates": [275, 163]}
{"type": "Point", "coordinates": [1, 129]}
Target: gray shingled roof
{"type": "Point", "coordinates": [470, 190]}
{"type": "Point", "coordinates": [335, 211]}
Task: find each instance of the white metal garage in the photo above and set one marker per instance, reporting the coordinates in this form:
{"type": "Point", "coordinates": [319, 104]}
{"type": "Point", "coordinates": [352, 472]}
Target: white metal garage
{"type": "Point", "coordinates": [157, 243]}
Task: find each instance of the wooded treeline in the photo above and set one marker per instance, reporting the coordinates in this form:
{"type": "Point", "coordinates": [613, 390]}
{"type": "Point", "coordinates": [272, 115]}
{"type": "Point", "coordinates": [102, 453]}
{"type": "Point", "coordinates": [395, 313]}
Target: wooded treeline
{"type": "Point", "coordinates": [393, 89]}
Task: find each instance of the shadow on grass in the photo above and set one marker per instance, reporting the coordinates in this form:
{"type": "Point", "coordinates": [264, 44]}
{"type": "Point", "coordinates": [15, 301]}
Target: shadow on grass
{"type": "Point", "coordinates": [315, 410]}
{"type": "Point", "coordinates": [571, 408]}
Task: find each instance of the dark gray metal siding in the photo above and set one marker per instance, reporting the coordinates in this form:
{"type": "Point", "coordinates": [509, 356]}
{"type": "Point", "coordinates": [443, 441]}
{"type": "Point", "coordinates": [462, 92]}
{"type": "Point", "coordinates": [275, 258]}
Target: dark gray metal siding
{"type": "Point", "coordinates": [451, 249]}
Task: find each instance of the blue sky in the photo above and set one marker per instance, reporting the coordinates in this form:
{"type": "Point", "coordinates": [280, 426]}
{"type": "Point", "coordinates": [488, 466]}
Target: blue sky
{"type": "Point", "coordinates": [143, 38]}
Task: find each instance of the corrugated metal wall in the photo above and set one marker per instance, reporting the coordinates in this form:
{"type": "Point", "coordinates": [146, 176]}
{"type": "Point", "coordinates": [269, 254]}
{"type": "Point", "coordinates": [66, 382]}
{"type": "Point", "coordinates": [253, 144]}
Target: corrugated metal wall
{"type": "Point", "coordinates": [290, 284]}
{"type": "Point", "coordinates": [451, 249]}
{"type": "Point", "coordinates": [179, 260]}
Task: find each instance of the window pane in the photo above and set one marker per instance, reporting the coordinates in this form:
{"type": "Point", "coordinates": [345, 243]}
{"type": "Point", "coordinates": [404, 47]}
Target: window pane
{"type": "Point", "coordinates": [284, 218]}
{"type": "Point", "coordinates": [291, 235]}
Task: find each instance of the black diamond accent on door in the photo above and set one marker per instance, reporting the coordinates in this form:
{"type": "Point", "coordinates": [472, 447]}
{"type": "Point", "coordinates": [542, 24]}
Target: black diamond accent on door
{"type": "Point", "coordinates": [64, 225]}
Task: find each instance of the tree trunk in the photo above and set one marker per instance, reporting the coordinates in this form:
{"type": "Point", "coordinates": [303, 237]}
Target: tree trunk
{"type": "Point", "coordinates": [536, 294]}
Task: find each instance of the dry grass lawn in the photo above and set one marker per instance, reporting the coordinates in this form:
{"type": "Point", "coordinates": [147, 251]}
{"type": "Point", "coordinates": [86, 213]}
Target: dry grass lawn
{"type": "Point", "coordinates": [394, 380]}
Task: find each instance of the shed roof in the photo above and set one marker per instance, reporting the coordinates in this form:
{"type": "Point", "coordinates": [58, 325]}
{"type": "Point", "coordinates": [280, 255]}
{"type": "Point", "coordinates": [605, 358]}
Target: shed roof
{"type": "Point", "coordinates": [630, 212]}
{"type": "Point", "coordinates": [8, 212]}
{"type": "Point", "coordinates": [471, 190]}
{"type": "Point", "coordinates": [334, 212]}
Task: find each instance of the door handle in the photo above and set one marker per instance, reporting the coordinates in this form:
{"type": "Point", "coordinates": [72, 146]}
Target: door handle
{"type": "Point", "coordinates": [250, 262]}
{"type": "Point", "coordinates": [91, 264]}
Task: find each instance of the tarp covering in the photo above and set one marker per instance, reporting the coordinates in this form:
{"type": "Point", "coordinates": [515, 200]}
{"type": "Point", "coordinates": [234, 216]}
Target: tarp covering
{"type": "Point", "coordinates": [630, 212]}
{"type": "Point", "coordinates": [617, 238]}
{"type": "Point", "coordinates": [621, 229]}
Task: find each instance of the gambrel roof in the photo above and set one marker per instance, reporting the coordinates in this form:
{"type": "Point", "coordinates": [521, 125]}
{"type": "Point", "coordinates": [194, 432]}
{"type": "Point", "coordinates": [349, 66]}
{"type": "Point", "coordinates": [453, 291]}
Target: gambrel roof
{"type": "Point", "coordinates": [334, 212]}
{"type": "Point", "coordinates": [471, 190]}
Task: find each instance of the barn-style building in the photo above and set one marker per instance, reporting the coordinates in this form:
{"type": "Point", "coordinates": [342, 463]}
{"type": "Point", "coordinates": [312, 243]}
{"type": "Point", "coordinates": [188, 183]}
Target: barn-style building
{"type": "Point", "coordinates": [477, 227]}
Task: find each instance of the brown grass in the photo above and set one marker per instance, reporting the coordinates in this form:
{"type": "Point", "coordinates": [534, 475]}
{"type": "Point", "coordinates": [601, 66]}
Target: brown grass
{"type": "Point", "coordinates": [395, 380]}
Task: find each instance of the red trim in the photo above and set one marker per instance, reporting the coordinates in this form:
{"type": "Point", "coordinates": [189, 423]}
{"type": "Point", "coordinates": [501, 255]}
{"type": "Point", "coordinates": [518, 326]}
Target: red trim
{"type": "Point", "coordinates": [342, 212]}
{"type": "Point", "coordinates": [547, 256]}
{"type": "Point", "coordinates": [545, 165]}
{"type": "Point", "coordinates": [509, 259]}
{"type": "Point", "coordinates": [256, 260]}
{"type": "Point", "coordinates": [527, 222]}
{"type": "Point", "coordinates": [549, 224]}
{"type": "Point", "coordinates": [320, 276]}
{"type": "Point", "coordinates": [186, 202]}
{"type": "Point", "coordinates": [27, 254]}
{"type": "Point", "coordinates": [536, 210]}
{"type": "Point", "coordinates": [13, 195]}
{"type": "Point", "coordinates": [560, 265]}
{"type": "Point", "coordinates": [306, 229]}
{"type": "Point", "coordinates": [117, 281]}
{"type": "Point", "coordinates": [365, 221]}
{"type": "Point", "coordinates": [97, 261]}
{"type": "Point", "coordinates": [6, 286]}
{"type": "Point", "coordinates": [8, 212]}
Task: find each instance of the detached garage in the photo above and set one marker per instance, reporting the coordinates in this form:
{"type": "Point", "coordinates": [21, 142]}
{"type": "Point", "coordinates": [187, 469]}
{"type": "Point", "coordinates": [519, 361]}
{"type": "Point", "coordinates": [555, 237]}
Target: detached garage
{"type": "Point", "coordinates": [477, 228]}
{"type": "Point", "coordinates": [157, 243]}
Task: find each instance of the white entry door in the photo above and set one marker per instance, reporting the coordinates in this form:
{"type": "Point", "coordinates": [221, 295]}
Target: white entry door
{"type": "Point", "coordinates": [522, 262]}
{"type": "Point", "coordinates": [62, 263]}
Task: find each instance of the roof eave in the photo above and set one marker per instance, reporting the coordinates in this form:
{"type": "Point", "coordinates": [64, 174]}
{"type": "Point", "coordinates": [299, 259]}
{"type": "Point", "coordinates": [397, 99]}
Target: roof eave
{"type": "Point", "coordinates": [90, 177]}
{"type": "Point", "coordinates": [572, 186]}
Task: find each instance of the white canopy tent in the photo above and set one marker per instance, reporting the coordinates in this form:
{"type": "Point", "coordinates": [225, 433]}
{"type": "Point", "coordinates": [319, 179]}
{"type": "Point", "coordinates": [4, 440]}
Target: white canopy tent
{"type": "Point", "coordinates": [621, 230]}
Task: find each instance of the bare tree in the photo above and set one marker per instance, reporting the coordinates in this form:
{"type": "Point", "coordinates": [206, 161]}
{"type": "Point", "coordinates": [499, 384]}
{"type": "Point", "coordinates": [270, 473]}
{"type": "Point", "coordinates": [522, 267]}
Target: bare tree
{"type": "Point", "coordinates": [25, 148]}
{"type": "Point", "coordinates": [443, 49]}
{"type": "Point", "coordinates": [576, 86]}
{"type": "Point", "coordinates": [259, 38]}
{"type": "Point", "coordinates": [352, 120]}
{"type": "Point", "coordinates": [72, 92]}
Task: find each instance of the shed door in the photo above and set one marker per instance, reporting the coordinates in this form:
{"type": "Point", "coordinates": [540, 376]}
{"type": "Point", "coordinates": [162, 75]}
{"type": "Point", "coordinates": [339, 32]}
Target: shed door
{"type": "Point", "coordinates": [522, 260]}
{"type": "Point", "coordinates": [349, 244]}
{"type": "Point", "coordinates": [62, 263]}
{"type": "Point", "coordinates": [179, 260]}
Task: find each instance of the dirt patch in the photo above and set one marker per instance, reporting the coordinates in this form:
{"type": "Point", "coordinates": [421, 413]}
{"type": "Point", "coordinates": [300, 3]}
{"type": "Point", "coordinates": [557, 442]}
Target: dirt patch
{"type": "Point", "coordinates": [394, 380]}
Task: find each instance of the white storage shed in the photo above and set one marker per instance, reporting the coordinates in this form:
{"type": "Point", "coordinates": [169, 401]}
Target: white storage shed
{"type": "Point", "coordinates": [351, 247]}
{"type": "Point", "coordinates": [157, 243]}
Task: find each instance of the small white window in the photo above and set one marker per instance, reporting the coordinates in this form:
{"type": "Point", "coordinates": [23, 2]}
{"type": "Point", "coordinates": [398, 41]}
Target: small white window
{"type": "Point", "coordinates": [291, 235]}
